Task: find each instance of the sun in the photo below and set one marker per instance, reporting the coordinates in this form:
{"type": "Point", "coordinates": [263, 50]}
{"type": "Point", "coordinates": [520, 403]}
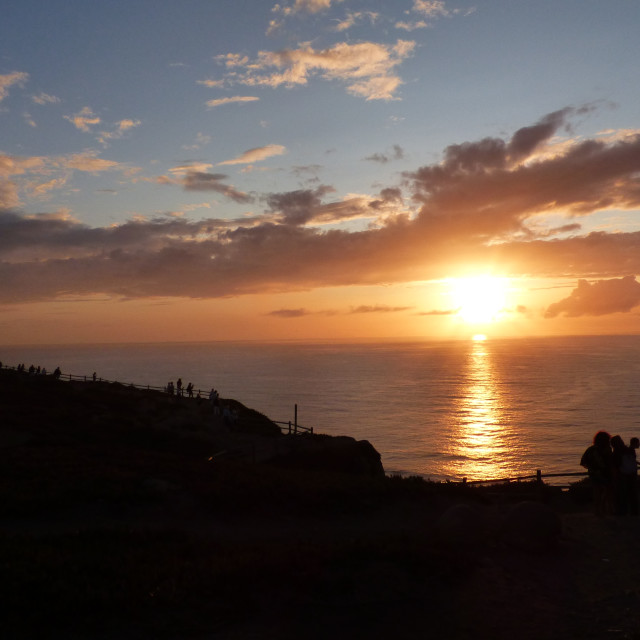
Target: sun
{"type": "Point", "coordinates": [479, 299]}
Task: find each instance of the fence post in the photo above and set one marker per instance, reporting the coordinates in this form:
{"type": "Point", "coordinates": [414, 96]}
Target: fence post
{"type": "Point", "coordinates": [295, 418]}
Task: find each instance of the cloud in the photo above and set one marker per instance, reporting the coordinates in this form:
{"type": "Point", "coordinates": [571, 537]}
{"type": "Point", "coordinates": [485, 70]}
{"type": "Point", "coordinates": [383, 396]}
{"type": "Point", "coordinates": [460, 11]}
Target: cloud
{"type": "Point", "coordinates": [411, 26]}
{"type": "Point", "coordinates": [235, 99]}
{"type": "Point", "coordinates": [354, 17]}
{"type": "Point", "coordinates": [302, 312]}
{"type": "Point", "coordinates": [212, 84]}
{"type": "Point", "coordinates": [9, 80]}
{"type": "Point", "coordinates": [367, 68]}
{"type": "Point", "coordinates": [289, 313]}
{"type": "Point", "coordinates": [89, 162]}
{"type": "Point", "coordinates": [18, 165]}
{"type": "Point", "coordinates": [119, 130]}
{"type": "Point", "coordinates": [306, 206]}
{"type": "Point", "coordinates": [396, 154]}
{"type": "Point", "coordinates": [378, 308]}
{"type": "Point", "coordinates": [492, 186]}
{"type": "Point", "coordinates": [430, 8]}
{"type": "Point", "coordinates": [257, 154]}
{"type": "Point", "coordinates": [598, 298]}
{"type": "Point", "coordinates": [200, 181]}
{"type": "Point", "coordinates": [25, 174]}
{"type": "Point", "coordinates": [429, 11]}
{"type": "Point", "coordinates": [305, 6]}
{"type": "Point", "coordinates": [439, 312]}
{"type": "Point", "coordinates": [45, 98]}
{"type": "Point", "coordinates": [190, 166]}
{"type": "Point", "coordinates": [9, 197]}
{"type": "Point", "coordinates": [84, 119]}
{"type": "Point", "coordinates": [297, 207]}
{"type": "Point", "coordinates": [201, 140]}
{"type": "Point", "coordinates": [478, 206]}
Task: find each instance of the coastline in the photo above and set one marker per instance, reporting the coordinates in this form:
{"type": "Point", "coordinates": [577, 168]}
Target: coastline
{"type": "Point", "coordinates": [121, 529]}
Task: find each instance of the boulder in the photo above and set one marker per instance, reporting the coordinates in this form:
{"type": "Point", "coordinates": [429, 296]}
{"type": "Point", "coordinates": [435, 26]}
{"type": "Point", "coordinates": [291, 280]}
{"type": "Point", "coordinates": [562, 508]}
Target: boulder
{"type": "Point", "coordinates": [333, 453]}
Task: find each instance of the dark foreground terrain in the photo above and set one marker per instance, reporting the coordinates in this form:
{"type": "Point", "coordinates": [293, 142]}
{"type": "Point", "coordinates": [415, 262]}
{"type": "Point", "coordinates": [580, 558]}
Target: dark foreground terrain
{"type": "Point", "coordinates": [127, 514]}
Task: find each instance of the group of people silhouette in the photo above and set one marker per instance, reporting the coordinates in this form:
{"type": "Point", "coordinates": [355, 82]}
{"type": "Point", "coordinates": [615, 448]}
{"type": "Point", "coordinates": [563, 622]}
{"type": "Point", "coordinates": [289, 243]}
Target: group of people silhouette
{"type": "Point", "coordinates": [36, 371]}
{"type": "Point", "coordinates": [179, 389]}
{"type": "Point", "coordinates": [613, 470]}
{"type": "Point", "coordinates": [229, 415]}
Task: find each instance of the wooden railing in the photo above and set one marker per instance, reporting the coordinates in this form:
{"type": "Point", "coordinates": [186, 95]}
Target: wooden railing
{"type": "Point", "coordinates": [538, 477]}
{"type": "Point", "coordinates": [292, 428]}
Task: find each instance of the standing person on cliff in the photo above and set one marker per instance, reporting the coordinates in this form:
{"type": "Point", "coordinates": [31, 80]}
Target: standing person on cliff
{"type": "Point", "coordinates": [597, 460]}
{"type": "Point", "coordinates": [628, 478]}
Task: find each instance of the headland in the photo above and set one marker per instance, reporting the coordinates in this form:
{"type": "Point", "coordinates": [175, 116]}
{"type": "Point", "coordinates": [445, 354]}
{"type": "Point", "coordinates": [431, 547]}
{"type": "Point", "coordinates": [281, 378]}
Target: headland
{"type": "Point", "coordinates": [131, 514]}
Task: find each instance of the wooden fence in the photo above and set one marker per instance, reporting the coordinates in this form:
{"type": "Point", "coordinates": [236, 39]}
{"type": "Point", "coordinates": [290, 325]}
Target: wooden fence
{"type": "Point", "coordinates": [538, 477]}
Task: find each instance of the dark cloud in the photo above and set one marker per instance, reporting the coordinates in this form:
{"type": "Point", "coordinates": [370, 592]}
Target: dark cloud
{"type": "Point", "coordinates": [397, 153]}
{"type": "Point", "coordinates": [598, 298]}
{"type": "Point", "coordinates": [298, 207]}
{"type": "Point", "coordinates": [378, 308]}
{"type": "Point", "coordinates": [478, 189]}
{"type": "Point", "coordinates": [477, 207]}
{"type": "Point", "coordinates": [289, 313]}
{"type": "Point", "coordinates": [526, 140]}
{"type": "Point", "coordinates": [201, 181]}
{"type": "Point", "coordinates": [307, 207]}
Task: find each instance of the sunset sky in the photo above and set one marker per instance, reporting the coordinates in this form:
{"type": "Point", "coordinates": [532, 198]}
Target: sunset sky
{"type": "Point", "coordinates": [318, 169]}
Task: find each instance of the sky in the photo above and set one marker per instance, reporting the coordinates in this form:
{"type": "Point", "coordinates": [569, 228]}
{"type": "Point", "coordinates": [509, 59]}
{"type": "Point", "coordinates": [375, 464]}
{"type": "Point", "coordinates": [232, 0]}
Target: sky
{"type": "Point", "coordinates": [318, 169]}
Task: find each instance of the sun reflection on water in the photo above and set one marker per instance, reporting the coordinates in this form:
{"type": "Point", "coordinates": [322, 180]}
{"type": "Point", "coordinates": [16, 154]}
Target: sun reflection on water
{"type": "Point", "coordinates": [480, 438]}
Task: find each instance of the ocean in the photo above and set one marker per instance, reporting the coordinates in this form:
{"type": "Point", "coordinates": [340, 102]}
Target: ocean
{"type": "Point", "coordinates": [443, 410]}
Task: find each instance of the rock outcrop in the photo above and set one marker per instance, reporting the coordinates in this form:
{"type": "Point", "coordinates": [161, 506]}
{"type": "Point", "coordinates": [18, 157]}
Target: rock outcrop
{"type": "Point", "coordinates": [340, 454]}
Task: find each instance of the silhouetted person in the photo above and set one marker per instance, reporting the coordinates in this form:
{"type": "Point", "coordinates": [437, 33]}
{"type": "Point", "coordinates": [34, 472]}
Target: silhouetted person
{"type": "Point", "coordinates": [620, 498]}
{"type": "Point", "coordinates": [628, 479]}
{"type": "Point", "coordinates": [179, 386]}
{"type": "Point", "coordinates": [597, 461]}
{"type": "Point", "coordinates": [94, 376]}
{"type": "Point", "coordinates": [57, 373]}
{"type": "Point", "coordinates": [190, 390]}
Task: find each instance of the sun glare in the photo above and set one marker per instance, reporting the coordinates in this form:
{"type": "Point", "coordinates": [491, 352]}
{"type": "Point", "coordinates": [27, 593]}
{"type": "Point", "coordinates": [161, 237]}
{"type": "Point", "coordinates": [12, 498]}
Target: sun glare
{"type": "Point", "coordinates": [481, 299]}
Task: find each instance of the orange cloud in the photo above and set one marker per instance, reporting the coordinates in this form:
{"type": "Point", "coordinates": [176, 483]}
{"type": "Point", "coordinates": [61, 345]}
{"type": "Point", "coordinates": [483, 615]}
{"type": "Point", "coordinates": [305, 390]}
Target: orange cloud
{"type": "Point", "coordinates": [598, 298]}
{"type": "Point", "coordinates": [9, 80]}
{"type": "Point", "coordinates": [84, 119]}
{"type": "Point", "coordinates": [233, 100]}
{"type": "Point", "coordinates": [366, 67]}
{"type": "Point", "coordinates": [257, 154]}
